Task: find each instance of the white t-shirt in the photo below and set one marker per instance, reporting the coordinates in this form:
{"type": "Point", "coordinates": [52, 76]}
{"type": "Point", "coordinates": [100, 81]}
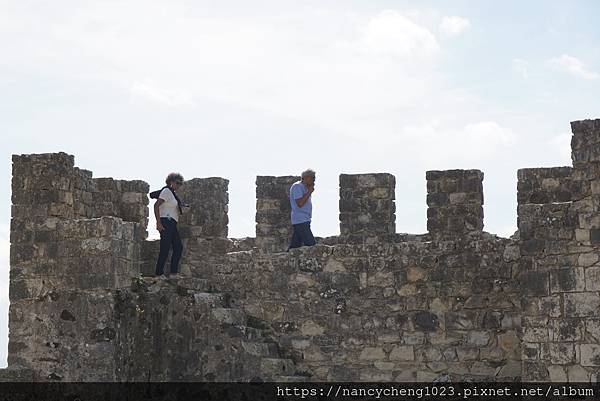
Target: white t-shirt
{"type": "Point", "coordinates": [169, 207]}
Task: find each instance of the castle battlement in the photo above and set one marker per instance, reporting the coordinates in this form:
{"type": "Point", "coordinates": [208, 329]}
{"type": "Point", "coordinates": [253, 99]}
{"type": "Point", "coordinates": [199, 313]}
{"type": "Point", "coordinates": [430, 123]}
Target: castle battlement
{"type": "Point", "coordinates": [455, 303]}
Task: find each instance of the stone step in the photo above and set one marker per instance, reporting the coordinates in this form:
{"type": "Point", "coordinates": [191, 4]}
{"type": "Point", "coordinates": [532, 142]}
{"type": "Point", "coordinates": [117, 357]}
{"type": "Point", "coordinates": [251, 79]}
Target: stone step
{"type": "Point", "coordinates": [271, 367]}
{"type": "Point", "coordinates": [288, 379]}
{"type": "Point", "coordinates": [213, 299]}
{"type": "Point", "coordinates": [261, 348]}
{"type": "Point", "coordinates": [192, 283]}
{"type": "Point", "coordinates": [253, 334]}
{"type": "Point", "coordinates": [186, 284]}
{"type": "Point", "coordinates": [229, 316]}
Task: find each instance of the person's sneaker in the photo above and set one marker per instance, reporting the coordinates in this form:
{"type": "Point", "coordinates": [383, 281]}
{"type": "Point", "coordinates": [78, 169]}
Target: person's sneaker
{"type": "Point", "coordinates": [162, 277]}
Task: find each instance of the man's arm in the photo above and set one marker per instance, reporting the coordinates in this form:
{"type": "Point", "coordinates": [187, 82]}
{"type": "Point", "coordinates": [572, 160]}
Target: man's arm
{"type": "Point", "coordinates": [301, 201]}
{"type": "Point", "coordinates": [159, 225]}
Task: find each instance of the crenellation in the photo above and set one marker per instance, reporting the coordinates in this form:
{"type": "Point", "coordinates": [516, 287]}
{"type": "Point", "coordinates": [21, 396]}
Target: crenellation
{"type": "Point", "coordinates": [59, 249]}
{"type": "Point", "coordinates": [559, 241]}
{"type": "Point", "coordinates": [367, 208]}
{"type": "Point", "coordinates": [585, 142]}
{"type": "Point", "coordinates": [83, 199]}
{"type": "Point", "coordinates": [273, 227]}
{"type": "Point", "coordinates": [207, 212]}
{"type": "Point", "coordinates": [547, 185]}
{"type": "Point", "coordinates": [456, 303]}
{"type": "Point", "coordinates": [121, 198]}
{"type": "Point", "coordinates": [455, 201]}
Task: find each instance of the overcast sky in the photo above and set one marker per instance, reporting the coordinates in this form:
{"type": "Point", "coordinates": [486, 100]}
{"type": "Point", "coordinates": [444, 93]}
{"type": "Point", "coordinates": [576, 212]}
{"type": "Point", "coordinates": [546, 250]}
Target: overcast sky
{"type": "Point", "coordinates": [136, 89]}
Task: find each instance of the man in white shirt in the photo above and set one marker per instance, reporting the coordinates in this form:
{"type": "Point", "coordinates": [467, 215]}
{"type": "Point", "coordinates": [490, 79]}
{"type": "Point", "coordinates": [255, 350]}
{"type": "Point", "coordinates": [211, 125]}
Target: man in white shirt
{"type": "Point", "coordinates": [167, 210]}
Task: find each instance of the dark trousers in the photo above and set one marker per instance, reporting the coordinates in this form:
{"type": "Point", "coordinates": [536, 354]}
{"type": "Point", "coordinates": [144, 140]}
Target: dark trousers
{"type": "Point", "coordinates": [302, 236]}
{"type": "Point", "coordinates": [169, 237]}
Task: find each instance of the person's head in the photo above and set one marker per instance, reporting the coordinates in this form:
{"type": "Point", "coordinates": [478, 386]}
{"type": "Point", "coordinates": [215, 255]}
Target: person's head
{"type": "Point", "coordinates": [174, 180]}
{"type": "Point", "coordinates": [308, 177]}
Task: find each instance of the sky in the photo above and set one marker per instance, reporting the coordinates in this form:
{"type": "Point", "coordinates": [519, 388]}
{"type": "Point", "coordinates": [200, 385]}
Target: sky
{"type": "Point", "coordinates": [235, 89]}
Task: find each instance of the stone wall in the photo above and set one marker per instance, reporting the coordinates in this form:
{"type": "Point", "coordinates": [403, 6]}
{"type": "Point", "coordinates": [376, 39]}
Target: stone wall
{"type": "Point", "coordinates": [456, 303]}
{"type": "Point", "coordinates": [120, 198]}
{"type": "Point", "coordinates": [206, 213]}
{"type": "Point", "coordinates": [181, 330]}
{"type": "Point", "coordinates": [455, 202]}
{"type": "Point", "coordinates": [64, 265]}
{"type": "Point", "coordinates": [559, 225]}
{"type": "Point", "coordinates": [367, 208]}
{"type": "Point", "coordinates": [273, 209]}
{"type": "Point", "coordinates": [414, 310]}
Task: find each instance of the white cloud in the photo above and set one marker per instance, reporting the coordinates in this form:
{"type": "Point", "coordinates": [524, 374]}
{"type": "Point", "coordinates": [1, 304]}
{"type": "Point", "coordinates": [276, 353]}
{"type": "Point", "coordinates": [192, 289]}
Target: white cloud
{"type": "Point", "coordinates": [488, 133]}
{"type": "Point", "coordinates": [454, 145]}
{"type": "Point", "coordinates": [392, 34]}
{"type": "Point", "coordinates": [521, 67]}
{"type": "Point", "coordinates": [347, 73]}
{"type": "Point", "coordinates": [573, 66]}
{"type": "Point", "coordinates": [150, 92]}
{"type": "Point", "coordinates": [453, 25]}
{"type": "Point", "coordinates": [562, 145]}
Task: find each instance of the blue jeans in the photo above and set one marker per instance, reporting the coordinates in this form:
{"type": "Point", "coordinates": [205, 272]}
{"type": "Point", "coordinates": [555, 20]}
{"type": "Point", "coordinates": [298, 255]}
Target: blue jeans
{"type": "Point", "coordinates": [302, 236]}
{"type": "Point", "coordinates": [169, 237]}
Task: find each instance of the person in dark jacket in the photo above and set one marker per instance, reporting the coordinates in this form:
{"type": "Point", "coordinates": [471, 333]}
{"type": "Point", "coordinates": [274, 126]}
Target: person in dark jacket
{"type": "Point", "coordinates": [167, 210]}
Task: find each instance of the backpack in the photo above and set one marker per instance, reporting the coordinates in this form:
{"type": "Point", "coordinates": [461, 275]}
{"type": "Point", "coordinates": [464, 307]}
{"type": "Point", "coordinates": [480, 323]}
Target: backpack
{"type": "Point", "coordinates": [156, 194]}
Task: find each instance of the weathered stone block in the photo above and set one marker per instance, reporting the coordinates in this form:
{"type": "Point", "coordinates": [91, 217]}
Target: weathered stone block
{"type": "Point", "coordinates": [535, 334]}
{"type": "Point", "coordinates": [567, 279]}
{"type": "Point", "coordinates": [566, 329]}
{"type": "Point", "coordinates": [576, 373]}
{"type": "Point", "coordinates": [372, 354]}
{"type": "Point", "coordinates": [425, 321]}
{"type": "Point", "coordinates": [367, 206]}
{"type": "Point", "coordinates": [273, 224]}
{"type": "Point", "coordinates": [590, 354]}
{"type": "Point", "coordinates": [592, 278]}
{"type": "Point", "coordinates": [402, 353]}
{"type": "Point", "coordinates": [534, 283]}
{"type": "Point", "coordinates": [478, 338]}
{"type": "Point", "coordinates": [585, 304]}
{"type": "Point", "coordinates": [558, 353]}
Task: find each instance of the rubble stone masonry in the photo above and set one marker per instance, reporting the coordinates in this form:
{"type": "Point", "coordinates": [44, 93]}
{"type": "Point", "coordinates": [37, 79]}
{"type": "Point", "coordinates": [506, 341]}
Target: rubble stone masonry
{"type": "Point", "coordinates": [455, 303]}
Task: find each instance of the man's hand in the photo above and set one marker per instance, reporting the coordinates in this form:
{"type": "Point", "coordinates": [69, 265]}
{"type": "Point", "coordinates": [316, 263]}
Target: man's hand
{"type": "Point", "coordinates": [159, 226]}
{"type": "Point", "coordinates": [311, 188]}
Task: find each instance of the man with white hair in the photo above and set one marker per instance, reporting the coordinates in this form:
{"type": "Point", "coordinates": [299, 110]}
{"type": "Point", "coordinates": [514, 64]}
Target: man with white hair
{"type": "Point", "coordinates": [300, 194]}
